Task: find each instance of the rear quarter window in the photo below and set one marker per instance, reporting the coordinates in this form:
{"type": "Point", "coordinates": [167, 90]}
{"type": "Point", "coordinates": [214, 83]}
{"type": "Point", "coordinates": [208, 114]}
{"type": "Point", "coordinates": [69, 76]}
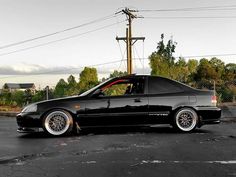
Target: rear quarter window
{"type": "Point", "coordinates": [158, 85]}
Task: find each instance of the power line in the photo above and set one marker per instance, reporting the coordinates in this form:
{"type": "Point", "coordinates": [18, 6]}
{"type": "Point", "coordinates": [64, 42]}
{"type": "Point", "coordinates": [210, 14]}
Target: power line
{"type": "Point", "coordinates": [206, 8]}
{"type": "Point", "coordinates": [59, 40]}
{"type": "Point", "coordinates": [122, 56]}
{"type": "Point", "coordinates": [199, 56]}
{"type": "Point", "coordinates": [136, 51]}
{"type": "Point", "coordinates": [58, 32]}
{"type": "Point", "coordinates": [112, 62]}
{"type": "Point", "coordinates": [210, 55]}
{"type": "Point", "coordinates": [189, 10]}
{"type": "Point", "coordinates": [191, 17]}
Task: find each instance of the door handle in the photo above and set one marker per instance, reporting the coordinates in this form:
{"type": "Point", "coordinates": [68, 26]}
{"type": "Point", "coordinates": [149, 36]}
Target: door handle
{"type": "Point", "coordinates": [137, 100]}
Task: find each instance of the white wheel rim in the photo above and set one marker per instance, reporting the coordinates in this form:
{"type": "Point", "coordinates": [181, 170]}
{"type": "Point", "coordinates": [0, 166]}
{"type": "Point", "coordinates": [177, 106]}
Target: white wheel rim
{"type": "Point", "coordinates": [186, 120]}
{"type": "Point", "coordinates": [57, 123]}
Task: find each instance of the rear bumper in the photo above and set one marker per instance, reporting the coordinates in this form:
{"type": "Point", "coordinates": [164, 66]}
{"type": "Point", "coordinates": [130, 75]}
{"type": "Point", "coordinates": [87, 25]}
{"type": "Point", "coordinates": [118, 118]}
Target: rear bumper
{"type": "Point", "coordinates": [209, 115]}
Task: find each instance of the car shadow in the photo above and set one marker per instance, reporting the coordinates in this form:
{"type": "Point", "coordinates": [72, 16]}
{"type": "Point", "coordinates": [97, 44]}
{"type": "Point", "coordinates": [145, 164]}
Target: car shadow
{"type": "Point", "coordinates": [138, 130]}
{"type": "Point", "coordinates": [115, 130]}
{"type": "Point", "coordinates": [34, 135]}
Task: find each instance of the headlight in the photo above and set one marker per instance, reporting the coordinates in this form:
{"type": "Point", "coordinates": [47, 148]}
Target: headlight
{"type": "Point", "coordinates": [30, 108]}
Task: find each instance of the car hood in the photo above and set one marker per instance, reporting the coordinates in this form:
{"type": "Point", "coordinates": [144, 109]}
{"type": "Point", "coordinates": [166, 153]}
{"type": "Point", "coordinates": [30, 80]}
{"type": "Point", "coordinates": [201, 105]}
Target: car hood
{"type": "Point", "coordinates": [69, 98]}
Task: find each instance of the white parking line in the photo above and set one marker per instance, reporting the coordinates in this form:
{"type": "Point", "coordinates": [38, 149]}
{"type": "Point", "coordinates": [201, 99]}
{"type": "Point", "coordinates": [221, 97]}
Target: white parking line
{"type": "Point", "coordinates": [228, 162]}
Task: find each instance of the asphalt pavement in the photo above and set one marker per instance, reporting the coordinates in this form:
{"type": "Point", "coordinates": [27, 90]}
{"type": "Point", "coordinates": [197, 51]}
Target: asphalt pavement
{"type": "Point", "coordinates": [137, 152]}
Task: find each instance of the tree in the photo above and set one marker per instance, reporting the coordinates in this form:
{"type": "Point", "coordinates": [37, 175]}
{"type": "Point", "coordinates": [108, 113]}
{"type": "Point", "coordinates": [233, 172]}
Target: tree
{"type": "Point", "coordinates": [117, 73]}
{"type": "Point", "coordinates": [72, 88]}
{"type": "Point", "coordinates": [40, 95]}
{"type": "Point", "coordinates": [192, 65]}
{"type": "Point", "coordinates": [166, 51]}
{"type": "Point", "coordinates": [230, 72]}
{"type": "Point", "coordinates": [219, 67]}
{"type": "Point", "coordinates": [71, 81]}
{"type": "Point", "coordinates": [18, 97]}
{"type": "Point", "coordinates": [231, 67]}
{"type": "Point", "coordinates": [5, 97]}
{"type": "Point", "coordinates": [162, 60]}
{"type": "Point", "coordinates": [205, 71]}
{"type": "Point", "coordinates": [209, 72]}
{"type": "Point", "coordinates": [60, 89]}
{"type": "Point", "coordinates": [88, 79]}
{"type": "Point", "coordinates": [181, 71]}
{"type": "Point", "coordinates": [28, 96]}
{"type": "Point", "coordinates": [159, 66]}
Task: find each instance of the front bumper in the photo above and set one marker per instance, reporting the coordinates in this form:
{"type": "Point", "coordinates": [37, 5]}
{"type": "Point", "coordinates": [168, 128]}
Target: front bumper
{"type": "Point", "coordinates": [28, 120]}
{"type": "Point", "coordinates": [27, 130]}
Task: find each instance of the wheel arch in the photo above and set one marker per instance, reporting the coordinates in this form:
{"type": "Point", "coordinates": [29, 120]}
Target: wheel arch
{"type": "Point", "coordinates": [73, 115]}
{"type": "Point", "coordinates": [176, 109]}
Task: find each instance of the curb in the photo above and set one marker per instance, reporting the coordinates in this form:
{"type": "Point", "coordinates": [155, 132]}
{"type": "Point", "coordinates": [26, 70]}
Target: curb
{"type": "Point", "coordinates": [8, 114]}
{"type": "Point", "coordinates": [228, 119]}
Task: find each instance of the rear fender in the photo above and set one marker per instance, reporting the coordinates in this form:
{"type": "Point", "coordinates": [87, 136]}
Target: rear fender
{"type": "Point", "coordinates": [181, 107]}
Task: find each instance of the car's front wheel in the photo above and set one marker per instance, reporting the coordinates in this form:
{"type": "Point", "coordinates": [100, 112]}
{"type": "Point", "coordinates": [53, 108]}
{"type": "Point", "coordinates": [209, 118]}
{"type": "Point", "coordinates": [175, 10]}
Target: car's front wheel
{"type": "Point", "coordinates": [58, 122]}
{"type": "Point", "coordinates": [186, 119]}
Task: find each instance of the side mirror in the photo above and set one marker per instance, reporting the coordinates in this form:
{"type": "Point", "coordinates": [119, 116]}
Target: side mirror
{"type": "Point", "coordinates": [97, 93]}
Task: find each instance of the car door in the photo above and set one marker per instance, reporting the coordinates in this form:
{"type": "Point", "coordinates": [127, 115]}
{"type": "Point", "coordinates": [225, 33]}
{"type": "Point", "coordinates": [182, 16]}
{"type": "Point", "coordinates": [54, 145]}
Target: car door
{"type": "Point", "coordinates": [130, 107]}
{"type": "Point", "coordinates": [128, 110]}
{"type": "Point", "coordinates": [96, 112]}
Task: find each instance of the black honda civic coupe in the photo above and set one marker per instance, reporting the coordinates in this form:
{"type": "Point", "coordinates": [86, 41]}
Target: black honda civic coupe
{"type": "Point", "coordinates": [133, 100]}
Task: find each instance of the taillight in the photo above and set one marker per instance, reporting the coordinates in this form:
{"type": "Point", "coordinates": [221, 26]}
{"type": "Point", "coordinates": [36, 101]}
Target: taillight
{"type": "Point", "coordinates": [214, 99]}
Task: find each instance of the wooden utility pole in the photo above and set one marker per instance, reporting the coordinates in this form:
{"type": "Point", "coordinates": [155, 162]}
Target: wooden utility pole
{"type": "Point", "coordinates": [129, 39]}
{"type": "Point", "coordinates": [47, 92]}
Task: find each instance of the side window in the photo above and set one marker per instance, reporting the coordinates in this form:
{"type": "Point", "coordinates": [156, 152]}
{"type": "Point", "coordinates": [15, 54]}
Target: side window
{"type": "Point", "coordinates": [124, 87]}
{"type": "Point", "coordinates": [161, 86]}
{"type": "Point", "coordinates": [116, 89]}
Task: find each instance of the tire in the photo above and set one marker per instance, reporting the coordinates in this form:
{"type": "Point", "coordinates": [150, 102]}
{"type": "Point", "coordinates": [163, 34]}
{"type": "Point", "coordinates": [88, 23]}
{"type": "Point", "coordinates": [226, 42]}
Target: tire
{"type": "Point", "coordinates": [58, 122]}
{"type": "Point", "coordinates": [185, 120]}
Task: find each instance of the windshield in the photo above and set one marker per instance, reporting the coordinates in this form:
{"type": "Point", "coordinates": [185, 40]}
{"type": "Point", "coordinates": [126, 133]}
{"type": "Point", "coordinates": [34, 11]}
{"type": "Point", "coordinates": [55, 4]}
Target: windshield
{"type": "Point", "coordinates": [94, 88]}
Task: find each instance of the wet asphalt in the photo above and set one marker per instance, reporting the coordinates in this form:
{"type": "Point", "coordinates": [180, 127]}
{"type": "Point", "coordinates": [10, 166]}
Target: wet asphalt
{"type": "Point", "coordinates": [137, 152]}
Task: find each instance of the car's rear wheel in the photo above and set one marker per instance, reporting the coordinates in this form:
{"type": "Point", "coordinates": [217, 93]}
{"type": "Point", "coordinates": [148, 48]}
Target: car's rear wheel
{"type": "Point", "coordinates": [58, 122]}
{"type": "Point", "coordinates": [186, 119]}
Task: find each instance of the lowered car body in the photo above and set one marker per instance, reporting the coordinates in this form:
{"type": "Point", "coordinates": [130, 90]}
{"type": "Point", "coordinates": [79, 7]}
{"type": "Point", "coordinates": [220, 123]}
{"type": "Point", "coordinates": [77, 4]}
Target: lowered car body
{"type": "Point", "coordinates": [133, 100]}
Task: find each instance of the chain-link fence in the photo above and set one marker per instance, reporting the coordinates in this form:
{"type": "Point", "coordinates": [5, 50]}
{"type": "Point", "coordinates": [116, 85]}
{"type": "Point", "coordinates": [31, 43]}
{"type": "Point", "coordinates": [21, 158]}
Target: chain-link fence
{"type": "Point", "coordinates": [225, 92]}
{"type": "Point", "coordinates": [226, 95]}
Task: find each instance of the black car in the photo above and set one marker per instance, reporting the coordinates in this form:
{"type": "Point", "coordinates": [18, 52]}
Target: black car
{"type": "Point", "coordinates": [133, 100]}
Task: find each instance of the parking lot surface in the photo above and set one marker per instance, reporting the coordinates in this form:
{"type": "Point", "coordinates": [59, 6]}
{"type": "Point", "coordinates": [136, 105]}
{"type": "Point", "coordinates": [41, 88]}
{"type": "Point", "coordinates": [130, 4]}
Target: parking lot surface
{"type": "Point", "coordinates": [159, 151]}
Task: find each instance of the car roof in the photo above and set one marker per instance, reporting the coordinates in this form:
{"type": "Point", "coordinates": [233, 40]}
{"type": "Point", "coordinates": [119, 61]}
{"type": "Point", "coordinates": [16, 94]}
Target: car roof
{"type": "Point", "coordinates": [182, 85]}
{"type": "Point", "coordinates": [141, 75]}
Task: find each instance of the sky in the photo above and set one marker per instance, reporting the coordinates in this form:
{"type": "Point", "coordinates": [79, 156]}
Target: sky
{"type": "Point", "coordinates": [44, 61]}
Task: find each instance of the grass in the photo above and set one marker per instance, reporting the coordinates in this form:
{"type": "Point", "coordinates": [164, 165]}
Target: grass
{"type": "Point", "coordinates": [10, 109]}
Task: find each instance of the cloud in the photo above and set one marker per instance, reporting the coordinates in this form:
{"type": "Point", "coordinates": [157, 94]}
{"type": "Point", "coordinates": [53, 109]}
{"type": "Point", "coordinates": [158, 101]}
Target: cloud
{"type": "Point", "coordinates": [33, 69]}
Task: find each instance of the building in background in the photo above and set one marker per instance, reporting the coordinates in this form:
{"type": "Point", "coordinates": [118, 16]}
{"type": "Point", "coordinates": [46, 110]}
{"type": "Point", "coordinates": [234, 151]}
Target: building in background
{"type": "Point", "coordinates": [11, 87]}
